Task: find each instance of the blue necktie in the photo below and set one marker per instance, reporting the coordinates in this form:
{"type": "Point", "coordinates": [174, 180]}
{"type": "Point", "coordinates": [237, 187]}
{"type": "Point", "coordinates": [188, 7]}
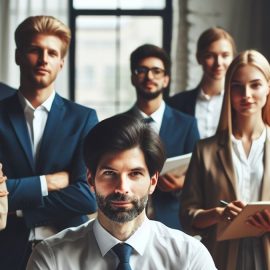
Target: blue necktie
{"type": "Point", "coordinates": [148, 120]}
{"type": "Point", "coordinates": [123, 252]}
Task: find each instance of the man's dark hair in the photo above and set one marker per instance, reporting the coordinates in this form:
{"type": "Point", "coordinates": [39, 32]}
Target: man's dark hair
{"type": "Point", "coordinates": [119, 133]}
{"type": "Point", "coordinates": [149, 50]}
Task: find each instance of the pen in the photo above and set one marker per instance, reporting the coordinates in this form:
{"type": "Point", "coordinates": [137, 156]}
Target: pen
{"type": "Point", "coordinates": [223, 203]}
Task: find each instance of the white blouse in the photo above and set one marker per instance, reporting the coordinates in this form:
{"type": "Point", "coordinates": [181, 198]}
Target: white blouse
{"type": "Point", "coordinates": [249, 169]}
{"type": "Point", "coordinates": [207, 112]}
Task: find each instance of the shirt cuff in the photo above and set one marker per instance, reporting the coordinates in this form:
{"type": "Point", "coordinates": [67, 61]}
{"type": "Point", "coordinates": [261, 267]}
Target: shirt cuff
{"type": "Point", "coordinates": [19, 213]}
{"type": "Point", "coordinates": [44, 186]}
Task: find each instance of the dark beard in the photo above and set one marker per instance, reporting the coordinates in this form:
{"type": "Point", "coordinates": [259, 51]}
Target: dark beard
{"type": "Point", "coordinates": [121, 215]}
{"type": "Point", "coordinates": [148, 95]}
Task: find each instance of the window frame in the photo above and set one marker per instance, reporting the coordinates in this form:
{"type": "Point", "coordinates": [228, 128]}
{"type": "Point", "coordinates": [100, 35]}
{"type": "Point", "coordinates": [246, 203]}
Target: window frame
{"type": "Point", "coordinates": [165, 14]}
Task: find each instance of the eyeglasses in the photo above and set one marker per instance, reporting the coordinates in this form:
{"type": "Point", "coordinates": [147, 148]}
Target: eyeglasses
{"type": "Point", "coordinates": [157, 73]}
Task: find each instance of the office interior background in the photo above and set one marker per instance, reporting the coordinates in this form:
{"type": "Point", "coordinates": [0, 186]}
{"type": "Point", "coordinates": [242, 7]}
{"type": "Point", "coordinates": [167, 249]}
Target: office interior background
{"type": "Point", "coordinates": [105, 32]}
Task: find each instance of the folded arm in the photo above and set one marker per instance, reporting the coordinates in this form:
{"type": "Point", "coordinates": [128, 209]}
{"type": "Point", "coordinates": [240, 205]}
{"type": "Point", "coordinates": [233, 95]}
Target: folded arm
{"type": "Point", "coordinates": [69, 194]}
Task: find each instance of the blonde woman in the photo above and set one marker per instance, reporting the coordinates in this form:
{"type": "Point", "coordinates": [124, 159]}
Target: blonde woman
{"type": "Point", "coordinates": [234, 165]}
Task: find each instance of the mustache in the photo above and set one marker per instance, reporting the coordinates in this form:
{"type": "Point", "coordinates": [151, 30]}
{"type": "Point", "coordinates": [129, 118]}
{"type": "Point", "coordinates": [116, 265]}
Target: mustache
{"type": "Point", "coordinates": [150, 81]}
{"type": "Point", "coordinates": [118, 197]}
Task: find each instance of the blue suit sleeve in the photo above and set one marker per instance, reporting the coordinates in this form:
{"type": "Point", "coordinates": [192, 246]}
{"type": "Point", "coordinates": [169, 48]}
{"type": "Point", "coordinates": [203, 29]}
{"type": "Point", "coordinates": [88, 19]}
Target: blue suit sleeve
{"type": "Point", "coordinates": [24, 193]}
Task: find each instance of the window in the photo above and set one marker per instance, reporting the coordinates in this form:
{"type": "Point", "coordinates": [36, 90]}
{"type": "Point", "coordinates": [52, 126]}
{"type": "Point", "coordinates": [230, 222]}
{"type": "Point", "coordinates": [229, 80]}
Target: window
{"type": "Point", "coordinates": [106, 33]}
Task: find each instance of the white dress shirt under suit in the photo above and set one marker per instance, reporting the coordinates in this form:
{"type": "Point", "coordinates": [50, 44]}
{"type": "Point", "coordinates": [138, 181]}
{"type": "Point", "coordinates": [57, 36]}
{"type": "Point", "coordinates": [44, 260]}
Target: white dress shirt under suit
{"type": "Point", "coordinates": [36, 119]}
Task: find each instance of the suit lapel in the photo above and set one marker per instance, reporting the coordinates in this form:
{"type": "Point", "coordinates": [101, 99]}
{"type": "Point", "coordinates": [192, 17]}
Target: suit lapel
{"type": "Point", "coordinates": [193, 99]}
{"type": "Point", "coordinates": [163, 133]}
{"type": "Point", "coordinates": [17, 119]}
{"type": "Point", "coordinates": [265, 195]}
{"type": "Point", "coordinates": [165, 119]}
{"type": "Point", "coordinates": [134, 112]}
{"type": "Point", "coordinates": [51, 133]}
{"type": "Point", "coordinates": [225, 157]}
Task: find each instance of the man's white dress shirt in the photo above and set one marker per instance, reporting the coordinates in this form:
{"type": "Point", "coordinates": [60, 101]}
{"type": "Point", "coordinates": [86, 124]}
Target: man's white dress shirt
{"type": "Point", "coordinates": [36, 119]}
{"type": "Point", "coordinates": [89, 246]}
{"type": "Point", "coordinates": [156, 116]}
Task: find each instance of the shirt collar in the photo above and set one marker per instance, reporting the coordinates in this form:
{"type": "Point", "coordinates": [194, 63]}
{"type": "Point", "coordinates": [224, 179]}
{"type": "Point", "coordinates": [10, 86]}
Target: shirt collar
{"type": "Point", "coordinates": [202, 95]}
{"type": "Point", "coordinates": [261, 138]}
{"type": "Point", "coordinates": [138, 240]}
{"type": "Point", "coordinates": [157, 115]}
{"type": "Point", "coordinates": [47, 104]}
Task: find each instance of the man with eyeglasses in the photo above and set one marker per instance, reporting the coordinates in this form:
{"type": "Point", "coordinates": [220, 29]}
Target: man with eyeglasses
{"type": "Point", "coordinates": [150, 68]}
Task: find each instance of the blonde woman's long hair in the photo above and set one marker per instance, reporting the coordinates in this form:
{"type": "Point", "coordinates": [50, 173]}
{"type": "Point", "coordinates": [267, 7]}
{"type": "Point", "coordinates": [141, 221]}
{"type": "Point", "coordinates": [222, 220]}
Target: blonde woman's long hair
{"type": "Point", "coordinates": [248, 57]}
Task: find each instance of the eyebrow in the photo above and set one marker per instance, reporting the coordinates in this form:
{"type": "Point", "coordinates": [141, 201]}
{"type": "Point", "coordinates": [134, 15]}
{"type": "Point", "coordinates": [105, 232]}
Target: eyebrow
{"type": "Point", "coordinates": [143, 66]}
{"type": "Point", "coordinates": [106, 168]}
{"type": "Point", "coordinates": [255, 80]}
{"type": "Point", "coordinates": [133, 169]}
{"type": "Point", "coordinates": [138, 169]}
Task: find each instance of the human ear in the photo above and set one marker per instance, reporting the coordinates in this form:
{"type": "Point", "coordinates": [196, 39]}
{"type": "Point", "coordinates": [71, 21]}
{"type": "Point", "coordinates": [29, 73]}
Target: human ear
{"type": "Point", "coordinates": [62, 63]}
{"type": "Point", "coordinates": [166, 81]}
{"type": "Point", "coordinates": [153, 182]}
{"type": "Point", "coordinates": [90, 179]}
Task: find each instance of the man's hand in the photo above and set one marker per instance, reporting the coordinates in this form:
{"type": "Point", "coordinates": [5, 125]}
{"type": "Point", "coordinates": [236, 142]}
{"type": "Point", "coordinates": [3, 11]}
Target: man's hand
{"type": "Point", "coordinates": [1, 171]}
{"type": "Point", "coordinates": [3, 192]}
{"type": "Point", "coordinates": [57, 180]}
{"type": "Point", "coordinates": [171, 182]}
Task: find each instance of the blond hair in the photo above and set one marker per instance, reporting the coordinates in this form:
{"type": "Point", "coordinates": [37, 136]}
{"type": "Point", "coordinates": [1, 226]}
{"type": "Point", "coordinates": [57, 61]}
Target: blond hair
{"type": "Point", "coordinates": [42, 25]}
{"type": "Point", "coordinates": [248, 57]}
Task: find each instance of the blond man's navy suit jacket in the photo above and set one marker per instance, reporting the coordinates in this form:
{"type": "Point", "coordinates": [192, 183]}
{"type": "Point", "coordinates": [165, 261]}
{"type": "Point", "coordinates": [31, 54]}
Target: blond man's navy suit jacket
{"type": "Point", "coordinates": [60, 150]}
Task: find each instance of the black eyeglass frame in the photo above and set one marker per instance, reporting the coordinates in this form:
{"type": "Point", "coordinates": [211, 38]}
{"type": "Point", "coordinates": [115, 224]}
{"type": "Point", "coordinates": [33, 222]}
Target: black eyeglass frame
{"type": "Point", "coordinates": [157, 72]}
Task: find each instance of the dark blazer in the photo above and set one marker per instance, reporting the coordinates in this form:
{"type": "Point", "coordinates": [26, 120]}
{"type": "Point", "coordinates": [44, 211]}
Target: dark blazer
{"type": "Point", "coordinates": [6, 91]}
{"type": "Point", "coordinates": [60, 150]}
{"type": "Point", "coordinates": [179, 133]}
{"type": "Point", "coordinates": [185, 101]}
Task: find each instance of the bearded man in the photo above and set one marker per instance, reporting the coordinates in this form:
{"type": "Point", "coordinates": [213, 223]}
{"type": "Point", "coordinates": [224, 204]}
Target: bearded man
{"type": "Point", "coordinates": [124, 157]}
{"type": "Point", "coordinates": [150, 75]}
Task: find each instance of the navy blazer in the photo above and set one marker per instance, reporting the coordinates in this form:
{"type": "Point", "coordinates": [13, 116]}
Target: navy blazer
{"type": "Point", "coordinates": [6, 91]}
{"type": "Point", "coordinates": [60, 150]}
{"type": "Point", "coordinates": [179, 133]}
{"type": "Point", "coordinates": [185, 101]}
